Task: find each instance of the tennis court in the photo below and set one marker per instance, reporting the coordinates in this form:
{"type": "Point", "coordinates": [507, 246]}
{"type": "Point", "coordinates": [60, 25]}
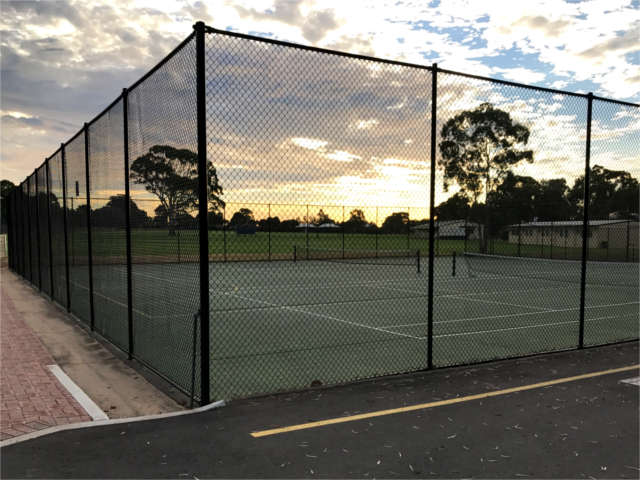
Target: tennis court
{"type": "Point", "coordinates": [325, 319]}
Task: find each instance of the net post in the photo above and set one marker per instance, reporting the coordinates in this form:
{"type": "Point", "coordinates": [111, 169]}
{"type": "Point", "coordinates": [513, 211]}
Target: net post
{"type": "Point", "coordinates": [127, 216]}
{"type": "Point", "coordinates": [295, 255]}
{"type": "Point", "coordinates": [453, 264]}
{"type": "Point", "coordinates": [202, 213]}
{"type": "Point", "coordinates": [37, 209]}
{"type": "Point", "coordinates": [551, 241]}
{"type": "Point", "coordinates": [65, 225]}
{"type": "Point", "coordinates": [608, 240]}
{"type": "Point", "coordinates": [51, 276]}
{"type": "Point", "coordinates": [418, 259]}
{"type": "Point", "coordinates": [432, 186]}
{"type": "Point", "coordinates": [585, 219]}
{"type": "Point", "coordinates": [89, 244]}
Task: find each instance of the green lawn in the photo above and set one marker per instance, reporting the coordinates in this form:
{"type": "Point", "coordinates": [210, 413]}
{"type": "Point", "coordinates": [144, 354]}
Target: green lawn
{"type": "Point", "coordinates": [183, 246]}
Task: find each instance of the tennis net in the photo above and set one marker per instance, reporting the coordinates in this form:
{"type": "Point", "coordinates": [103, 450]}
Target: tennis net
{"type": "Point", "coordinates": [624, 274]}
{"type": "Point", "coordinates": [404, 258]}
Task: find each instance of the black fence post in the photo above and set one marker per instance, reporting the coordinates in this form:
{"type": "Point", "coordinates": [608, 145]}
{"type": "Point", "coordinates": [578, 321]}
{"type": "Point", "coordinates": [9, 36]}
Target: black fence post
{"type": "Point", "coordinates": [51, 276]}
{"type": "Point", "coordinates": [64, 223]}
{"type": "Point", "coordinates": [343, 231]}
{"type": "Point", "coordinates": [37, 210]}
{"type": "Point", "coordinates": [269, 222]}
{"type": "Point", "coordinates": [127, 217]}
{"type": "Point", "coordinates": [585, 220]}
{"type": "Point", "coordinates": [224, 232]}
{"type": "Point", "coordinates": [432, 187]}
{"type": "Point", "coordinates": [626, 254]}
{"type": "Point", "coordinates": [202, 212]}
{"type": "Point", "coordinates": [551, 241]}
{"type": "Point", "coordinates": [520, 238]}
{"type": "Point", "coordinates": [377, 231]}
{"type": "Point", "coordinates": [409, 228]}
{"type": "Point", "coordinates": [306, 231]}
{"type": "Point", "coordinates": [89, 244]}
{"type": "Point", "coordinates": [28, 239]}
{"type": "Point", "coordinates": [466, 234]}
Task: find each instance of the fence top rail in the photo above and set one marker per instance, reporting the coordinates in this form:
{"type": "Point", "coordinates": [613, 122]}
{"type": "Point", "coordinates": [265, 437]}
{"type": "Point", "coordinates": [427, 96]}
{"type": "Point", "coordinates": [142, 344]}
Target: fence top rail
{"type": "Point", "coordinates": [283, 43]}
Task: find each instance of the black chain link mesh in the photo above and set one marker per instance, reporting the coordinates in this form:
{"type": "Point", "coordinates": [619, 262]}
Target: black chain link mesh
{"type": "Point", "coordinates": [318, 213]}
{"type": "Point", "coordinates": [78, 234]}
{"type": "Point", "coordinates": [56, 197]}
{"type": "Point", "coordinates": [43, 230]}
{"type": "Point", "coordinates": [513, 293]}
{"type": "Point", "coordinates": [33, 231]}
{"type": "Point", "coordinates": [612, 309]}
{"type": "Point", "coordinates": [108, 225]}
{"type": "Point", "coordinates": [24, 229]}
{"type": "Point", "coordinates": [164, 229]}
{"type": "Point", "coordinates": [294, 136]}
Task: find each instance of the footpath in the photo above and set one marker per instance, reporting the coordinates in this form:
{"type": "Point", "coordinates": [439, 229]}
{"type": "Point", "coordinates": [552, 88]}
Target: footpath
{"type": "Point", "coordinates": [32, 397]}
{"type": "Point", "coordinates": [53, 372]}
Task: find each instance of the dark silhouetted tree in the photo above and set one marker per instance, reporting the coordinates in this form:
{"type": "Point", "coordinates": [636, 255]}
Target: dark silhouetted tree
{"type": "Point", "coordinates": [171, 174]}
{"type": "Point", "coordinates": [479, 147]}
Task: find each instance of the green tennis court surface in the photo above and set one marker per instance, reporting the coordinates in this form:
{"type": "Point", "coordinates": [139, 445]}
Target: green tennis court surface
{"type": "Point", "coordinates": [285, 325]}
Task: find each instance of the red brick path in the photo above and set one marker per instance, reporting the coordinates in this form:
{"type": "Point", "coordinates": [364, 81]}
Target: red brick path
{"type": "Point", "coordinates": [31, 397]}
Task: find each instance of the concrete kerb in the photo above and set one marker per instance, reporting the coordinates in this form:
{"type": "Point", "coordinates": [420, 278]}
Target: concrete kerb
{"type": "Point", "coordinates": [114, 421]}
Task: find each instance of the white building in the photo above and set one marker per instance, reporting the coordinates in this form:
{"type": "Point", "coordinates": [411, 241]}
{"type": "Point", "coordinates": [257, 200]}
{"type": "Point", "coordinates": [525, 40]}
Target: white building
{"type": "Point", "coordinates": [453, 229]}
{"type": "Point", "coordinates": [614, 234]}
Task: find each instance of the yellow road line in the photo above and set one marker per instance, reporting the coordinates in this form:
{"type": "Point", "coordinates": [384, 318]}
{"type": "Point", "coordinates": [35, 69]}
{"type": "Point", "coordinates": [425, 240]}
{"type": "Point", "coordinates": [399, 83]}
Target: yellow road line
{"type": "Point", "coordinates": [423, 406]}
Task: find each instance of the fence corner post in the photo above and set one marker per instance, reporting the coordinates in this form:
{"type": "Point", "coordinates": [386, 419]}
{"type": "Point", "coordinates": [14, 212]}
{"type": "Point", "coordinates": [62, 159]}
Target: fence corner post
{"type": "Point", "coordinates": [127, 218]}
{"type": "Point", "coordinates": [432, 186]}
{"type": "Point", "coordinates": [89, 244]}
{"type": "Point", "coordinates": [201, 121]}
{"type": "Point", "coordinates": [585, 220]}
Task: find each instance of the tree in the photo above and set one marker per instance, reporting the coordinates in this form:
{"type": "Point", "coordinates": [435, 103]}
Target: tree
{"type": "Point", "coordinates": [397, 222]}
{"type": "Point", "coordinates": [5, 188]}
{"type": "Point", "coordinates": [171, 174]}
{"type": "Point", "coordinates": [357, 222]}
{"type": "Point", "coordinates": [513, 201]}
{"type": "Point", "coordinates": [479, 147]}
{"type": "Point", "coordinates": [454, 207]}
{"type": "Point", "coordinates": [609, 190]}
{"type": "Point", "coordinates": [552, 202]}
{"type": "Point", "coordinates": [244, 216]}
{"type": "Point", "coordinates": [322, 218]}
{"type": "Point", "coordinates": [113, 214]}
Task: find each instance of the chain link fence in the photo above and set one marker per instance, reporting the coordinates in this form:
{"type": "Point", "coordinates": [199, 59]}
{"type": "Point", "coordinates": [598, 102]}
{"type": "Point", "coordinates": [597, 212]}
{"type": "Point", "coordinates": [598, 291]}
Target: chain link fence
{"type": "Point", "coordinates": [255, 216]}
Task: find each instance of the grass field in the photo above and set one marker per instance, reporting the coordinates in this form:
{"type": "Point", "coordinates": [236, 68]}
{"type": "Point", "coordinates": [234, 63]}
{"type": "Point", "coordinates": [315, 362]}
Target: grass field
{"type": "Point", "coordinates": [183, 246]}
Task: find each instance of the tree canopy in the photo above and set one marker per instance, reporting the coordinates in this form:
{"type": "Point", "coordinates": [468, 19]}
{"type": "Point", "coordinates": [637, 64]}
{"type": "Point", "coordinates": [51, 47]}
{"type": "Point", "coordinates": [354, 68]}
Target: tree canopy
{"type": "Point", "coordinates": [171, 174]}
{"type": "Point", "coordinates": [479, 147]}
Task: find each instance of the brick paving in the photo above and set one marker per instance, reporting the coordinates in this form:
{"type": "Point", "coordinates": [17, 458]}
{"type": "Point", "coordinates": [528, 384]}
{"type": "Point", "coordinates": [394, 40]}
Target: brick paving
{"type": "Point", "coordinates": [31, 396]}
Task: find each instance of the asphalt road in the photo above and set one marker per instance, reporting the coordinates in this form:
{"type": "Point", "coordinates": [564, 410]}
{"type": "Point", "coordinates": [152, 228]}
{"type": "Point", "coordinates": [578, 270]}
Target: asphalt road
{"type": "Point", "coordinates": [578, 429]}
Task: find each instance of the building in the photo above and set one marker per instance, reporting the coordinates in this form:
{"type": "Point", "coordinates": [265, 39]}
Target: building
{"type": "Point", "coordinates": [451, 229]}
{"type": "Point", "coordinates": [610, 234]}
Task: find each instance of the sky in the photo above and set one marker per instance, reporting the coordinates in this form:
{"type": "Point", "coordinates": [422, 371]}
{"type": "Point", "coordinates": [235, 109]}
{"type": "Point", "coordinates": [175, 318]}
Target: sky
{"type": "Point", "coordinates": [349, 132]}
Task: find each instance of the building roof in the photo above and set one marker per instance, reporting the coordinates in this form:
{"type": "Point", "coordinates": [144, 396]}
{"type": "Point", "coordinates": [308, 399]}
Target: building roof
{"type": "Point", "coordinates": [445, 223]}
{"type": "Point", "coordinates": [569, 223]}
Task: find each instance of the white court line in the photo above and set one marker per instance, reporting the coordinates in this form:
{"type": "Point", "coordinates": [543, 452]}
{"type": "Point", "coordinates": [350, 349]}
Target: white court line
{"type": "Point", "coordinates": [540, 309]}
{"type": "Point", "coordinates": [491, 317]}
{"type": "Point", "coordinates": [328, 317]}
{"type": "Point", "coordinates": [89, 406]}
{"type": "Point", "coordinates": [524, 327]}
{"type": "Point", "coordinates": [124, 305]}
